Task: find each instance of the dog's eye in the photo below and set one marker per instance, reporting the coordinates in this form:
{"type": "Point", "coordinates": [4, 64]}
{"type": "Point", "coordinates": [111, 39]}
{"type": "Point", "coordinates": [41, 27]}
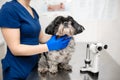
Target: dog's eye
{"type": "Point", "coordinates": [72, 23]}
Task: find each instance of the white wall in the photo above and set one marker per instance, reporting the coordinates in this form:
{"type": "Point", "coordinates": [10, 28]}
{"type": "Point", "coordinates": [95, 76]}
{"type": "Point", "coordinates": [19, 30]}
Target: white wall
{"type": "Point", "coordinates": [1, 39]}
{"type": "Point", "coordinates": [109, 32]}
{"type": "Point", "coordinates": [102, 23]}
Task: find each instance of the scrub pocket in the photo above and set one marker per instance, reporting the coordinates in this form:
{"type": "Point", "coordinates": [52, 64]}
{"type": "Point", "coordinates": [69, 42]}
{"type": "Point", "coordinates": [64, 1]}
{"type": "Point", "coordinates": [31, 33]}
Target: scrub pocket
{"type": "Point", "coordinates": [5, 65]}
{"type": "Point", "coordinates": [9, 73]}
{"type": "Point", "coordinates": [5, 68]}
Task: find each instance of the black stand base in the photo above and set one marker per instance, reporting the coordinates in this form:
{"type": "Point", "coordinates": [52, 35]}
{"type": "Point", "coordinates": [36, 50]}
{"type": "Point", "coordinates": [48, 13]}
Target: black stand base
{"type": "Point", "coordinates": [94, 76]}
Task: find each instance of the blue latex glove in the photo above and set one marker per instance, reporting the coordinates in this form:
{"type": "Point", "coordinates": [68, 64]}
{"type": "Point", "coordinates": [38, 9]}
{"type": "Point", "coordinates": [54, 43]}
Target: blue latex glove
{"type": "Point", "coordinates": [58, 43]}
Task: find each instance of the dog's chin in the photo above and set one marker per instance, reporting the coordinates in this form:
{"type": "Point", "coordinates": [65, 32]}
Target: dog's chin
{"type": "Point", "coordinates": [64, 32]}
{"type": "Point", "coordinates": [60, 35]}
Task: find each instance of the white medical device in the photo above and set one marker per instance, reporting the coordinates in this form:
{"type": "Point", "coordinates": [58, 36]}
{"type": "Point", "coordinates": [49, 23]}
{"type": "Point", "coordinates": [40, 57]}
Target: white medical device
{"type": "Point", "coordinates": [92, 65]}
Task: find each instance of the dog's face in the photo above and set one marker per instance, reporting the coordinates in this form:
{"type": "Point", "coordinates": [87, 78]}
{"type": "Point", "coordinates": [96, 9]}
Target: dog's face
{"type": "Point", "coordinates": [64, 26]}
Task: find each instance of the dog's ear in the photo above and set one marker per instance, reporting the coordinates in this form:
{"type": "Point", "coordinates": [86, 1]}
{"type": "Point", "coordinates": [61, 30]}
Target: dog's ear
{"type": "Point", "coordinates": [50, 28]}
{"type": "Point", "coordinates": [53, 26]}
{"type": "Point", "coordinates": [79, 28]}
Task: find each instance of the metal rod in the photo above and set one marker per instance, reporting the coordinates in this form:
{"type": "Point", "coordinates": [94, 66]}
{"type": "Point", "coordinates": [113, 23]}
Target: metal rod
{"type": "Point", "coordinates": [87, 52]}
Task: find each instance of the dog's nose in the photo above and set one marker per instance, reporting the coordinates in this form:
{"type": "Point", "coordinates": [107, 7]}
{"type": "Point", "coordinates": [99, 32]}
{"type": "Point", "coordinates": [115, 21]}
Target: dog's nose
{"type": "Point", "coordinates": [65, 24]}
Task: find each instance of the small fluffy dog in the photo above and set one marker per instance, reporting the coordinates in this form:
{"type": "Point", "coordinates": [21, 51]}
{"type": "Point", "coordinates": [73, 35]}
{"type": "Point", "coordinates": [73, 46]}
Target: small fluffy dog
{"type": "Point", "coordinates": [54, 60]}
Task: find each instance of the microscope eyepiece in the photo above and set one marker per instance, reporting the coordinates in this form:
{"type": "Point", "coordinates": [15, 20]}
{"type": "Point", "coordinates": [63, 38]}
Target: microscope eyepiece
{"type": "Point", "coordinates": [105, 46]}
{"type": "Point", "coordinates": [99, 48]}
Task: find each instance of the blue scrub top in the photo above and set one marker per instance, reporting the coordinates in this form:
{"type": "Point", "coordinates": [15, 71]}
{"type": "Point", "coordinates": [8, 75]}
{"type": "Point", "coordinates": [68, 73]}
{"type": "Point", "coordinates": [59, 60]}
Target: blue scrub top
{"type": "Point", "coordinates": [14, 15]}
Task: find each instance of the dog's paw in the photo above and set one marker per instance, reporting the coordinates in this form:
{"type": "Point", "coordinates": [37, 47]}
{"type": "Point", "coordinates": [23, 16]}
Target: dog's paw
{"type": "Point", "coordinates": [67, 67]}
{"type": "Point", "coordinates": [53, 71]}
{"type": "Point", "coordinates": [43, 70]}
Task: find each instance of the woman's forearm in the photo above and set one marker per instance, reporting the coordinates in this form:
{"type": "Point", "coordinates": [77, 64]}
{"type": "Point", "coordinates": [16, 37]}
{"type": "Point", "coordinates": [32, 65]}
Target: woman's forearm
{"type": "Point", "coordinates": [43, 38]}
{"type": "Point", "coordinates": [12, 38]}
{"type": "Point", "coordinates": [27, 50]}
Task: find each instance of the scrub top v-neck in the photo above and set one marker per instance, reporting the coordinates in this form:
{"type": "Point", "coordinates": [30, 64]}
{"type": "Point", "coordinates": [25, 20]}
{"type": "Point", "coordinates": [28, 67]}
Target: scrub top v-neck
{"type": "Point", "coordinates": [14, 15]}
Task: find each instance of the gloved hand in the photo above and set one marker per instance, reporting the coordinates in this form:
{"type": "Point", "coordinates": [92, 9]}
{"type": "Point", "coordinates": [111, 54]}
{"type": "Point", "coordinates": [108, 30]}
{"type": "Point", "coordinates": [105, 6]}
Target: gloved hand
{"type": "Point", "coordinates": [58, 43]}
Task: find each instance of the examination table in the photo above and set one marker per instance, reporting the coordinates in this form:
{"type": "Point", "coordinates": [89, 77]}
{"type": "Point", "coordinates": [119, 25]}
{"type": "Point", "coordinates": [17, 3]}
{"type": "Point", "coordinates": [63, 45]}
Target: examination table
{"type": "Point", "coordinates": [108, 68]}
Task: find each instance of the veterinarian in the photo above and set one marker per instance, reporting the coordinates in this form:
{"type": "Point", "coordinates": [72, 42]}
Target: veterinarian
{"type": "Point", "coordinates": [22, 32]}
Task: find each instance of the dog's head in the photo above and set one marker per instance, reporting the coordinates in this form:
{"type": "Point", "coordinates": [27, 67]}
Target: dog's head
{"type": "Point", "coordinates": [64, 26]}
